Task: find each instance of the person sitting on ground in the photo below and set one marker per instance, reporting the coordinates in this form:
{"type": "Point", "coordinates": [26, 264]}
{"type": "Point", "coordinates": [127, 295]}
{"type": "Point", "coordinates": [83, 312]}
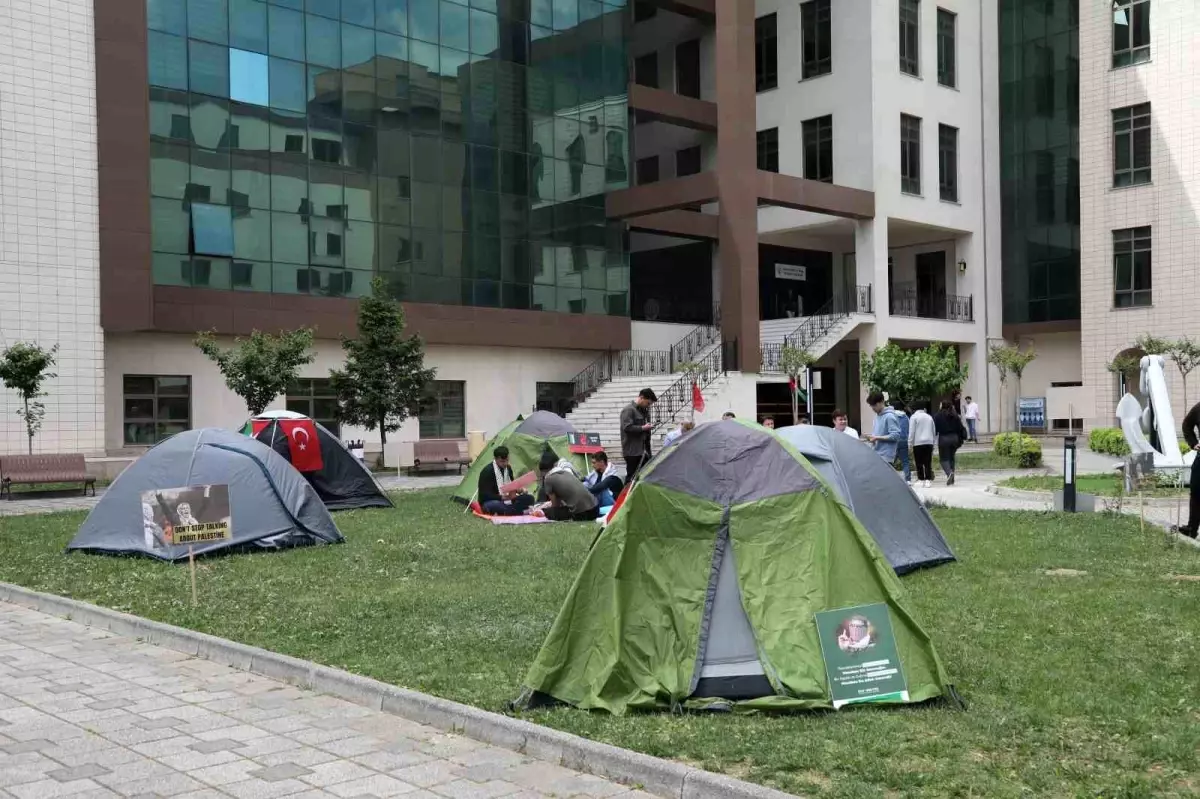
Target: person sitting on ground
{"type": "Point", "coordinates": [569, 498]}
{"type": "Point", "coordinates": [841, 423]}
{"type": "Point", "coordinates": [728, 415]}
{"type": "Point", "coordinates": [491, 500]}
{"type": "Point", "coordinates": [769, 422]}
{"type": "Point", "coordinates": [604, 482]}
{"type": "Point", "coordinates": [679, 432]}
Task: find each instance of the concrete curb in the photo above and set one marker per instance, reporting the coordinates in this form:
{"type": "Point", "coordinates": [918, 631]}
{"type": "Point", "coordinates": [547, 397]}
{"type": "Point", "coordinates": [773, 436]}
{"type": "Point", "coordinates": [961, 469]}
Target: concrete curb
{"type": "Point", "coordinates": [1046, 496]}
{"type": "Point", "coordinates": [657, 776]}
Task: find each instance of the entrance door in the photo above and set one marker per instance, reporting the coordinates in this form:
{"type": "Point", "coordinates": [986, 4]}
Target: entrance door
{"type": "Point", "coordinates": [931, 285]}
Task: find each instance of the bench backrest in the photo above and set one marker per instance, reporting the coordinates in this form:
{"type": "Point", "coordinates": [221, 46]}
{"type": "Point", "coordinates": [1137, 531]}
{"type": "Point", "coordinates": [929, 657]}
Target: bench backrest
{"type": "Point", "coordinates": [16, 466]}
{"type": "Point", "coordinates": [433, 449]}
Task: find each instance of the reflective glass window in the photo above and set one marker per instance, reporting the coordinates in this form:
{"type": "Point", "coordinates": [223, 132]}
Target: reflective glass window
{"type": "Point", "coordinates": [168, 16]}
{"type": "Point", "coordinates": [208, 20]}
{"type": "Point", "coordinates": [248, 25]}
{"type": "Point", "coordinates": [392, 16]}
{"type": "Point", "coordinates": [167, 60]}
{"type": "Point", "coordinates": [286, 33]}
{"type": "Point", "coordinates": [212, 229]}
{"type": "Point", "coordinates": [208, 71]}
{"type": "Point", "coordinates": [287, 85]}
{"type": "Point", "coordinates": [249, 80]}
{"type": "Point", "coordinates": [324, 41]}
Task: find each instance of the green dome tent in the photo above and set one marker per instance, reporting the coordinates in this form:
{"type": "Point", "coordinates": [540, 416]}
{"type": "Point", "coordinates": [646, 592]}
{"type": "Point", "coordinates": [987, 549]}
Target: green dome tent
{"type": "Point", "coordinates": [526, 438]}
{"type": "Point", "coordinates": [703, 589]}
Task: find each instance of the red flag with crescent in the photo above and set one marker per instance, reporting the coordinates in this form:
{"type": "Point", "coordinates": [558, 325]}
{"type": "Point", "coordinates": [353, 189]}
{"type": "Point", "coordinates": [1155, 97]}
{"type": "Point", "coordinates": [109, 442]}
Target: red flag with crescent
{"type": "Point", "coordinates": [303, 444]}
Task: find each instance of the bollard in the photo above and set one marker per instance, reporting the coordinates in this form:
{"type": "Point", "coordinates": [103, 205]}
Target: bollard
{"type": "Point", "coordinates": [1069, 474]}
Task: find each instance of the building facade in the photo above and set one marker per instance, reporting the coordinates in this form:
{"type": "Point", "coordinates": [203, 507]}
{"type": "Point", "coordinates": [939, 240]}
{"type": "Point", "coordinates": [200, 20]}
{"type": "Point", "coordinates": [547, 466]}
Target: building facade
{"type": "Point", "coordinates": [554, 188]}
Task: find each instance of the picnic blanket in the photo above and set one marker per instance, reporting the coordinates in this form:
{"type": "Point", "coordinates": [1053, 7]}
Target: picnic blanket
{"type": "Point", "coordinates": [507, 519]}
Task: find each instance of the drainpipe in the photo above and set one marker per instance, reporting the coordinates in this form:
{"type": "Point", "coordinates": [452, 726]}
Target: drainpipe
{"type": "Point", "coordinates": [987, 371]}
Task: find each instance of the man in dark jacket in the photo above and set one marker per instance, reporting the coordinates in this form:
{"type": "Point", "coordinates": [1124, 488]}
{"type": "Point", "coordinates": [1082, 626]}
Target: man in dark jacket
{"type": "Point", "coordinates": [491, 501]}
{"type": "Point", "coordinates": [1190, 423]}
{"type": "Point", "coordinates": [635, 432]}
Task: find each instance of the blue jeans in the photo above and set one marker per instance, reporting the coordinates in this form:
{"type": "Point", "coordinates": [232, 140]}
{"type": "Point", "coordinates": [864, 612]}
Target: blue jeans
{"type": "Point", "coordinates": [971, 430]}
{"type": "Point", "coordinates": [902, 454]}
{"type": "Point", "coordinates": [518, 506]}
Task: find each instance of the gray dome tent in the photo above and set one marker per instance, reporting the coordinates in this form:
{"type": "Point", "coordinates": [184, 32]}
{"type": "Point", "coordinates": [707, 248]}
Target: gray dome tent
{"type": "Point", "coordinates": [271, 506]}
{"type": "Point", "coordinates": [876, 494]}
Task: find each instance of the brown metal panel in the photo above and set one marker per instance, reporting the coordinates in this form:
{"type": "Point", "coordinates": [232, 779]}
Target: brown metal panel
{"type": "Point", "coordinates": [683, 224]}
{"type": "Point", "coordinates": [789, 191]}
{"type": "Point", "coordinates": [657, 105]}
{"type": "Point", "coordinates": [667, 195]}
{"type": "Point", "coordinates": [703, 10]}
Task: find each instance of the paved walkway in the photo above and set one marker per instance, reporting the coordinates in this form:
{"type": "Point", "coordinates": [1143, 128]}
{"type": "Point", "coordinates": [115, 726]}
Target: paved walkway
{"type": "Point", "coordinates": [88, 715]}
{"type": "Point", "coordinates": [58, 501]}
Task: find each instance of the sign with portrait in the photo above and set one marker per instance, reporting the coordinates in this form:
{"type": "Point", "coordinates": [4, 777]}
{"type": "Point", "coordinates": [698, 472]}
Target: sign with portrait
{"type": "Point", "coordinates": [186, 516]}
{"type": "Point", "coordinates": [861, 660]}
{"type": "Point", "coordinates": [584, 443]}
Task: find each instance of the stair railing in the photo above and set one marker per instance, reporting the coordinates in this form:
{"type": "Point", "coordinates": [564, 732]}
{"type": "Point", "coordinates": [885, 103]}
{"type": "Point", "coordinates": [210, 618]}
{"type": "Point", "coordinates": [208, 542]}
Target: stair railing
{"type": "Point", "coordinates": [829, 315]}
{"type": "Point", "coordinates": [677, 397]}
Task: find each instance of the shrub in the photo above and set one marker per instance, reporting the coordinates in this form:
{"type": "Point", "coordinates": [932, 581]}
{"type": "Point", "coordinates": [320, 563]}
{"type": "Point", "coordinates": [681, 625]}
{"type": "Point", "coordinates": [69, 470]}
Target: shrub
{"type": "Point", "coordinates": [1025, 450]}
{"type": "Point", "coordinates": [1108, 441]}
{"type": "Point", "coordinates": [1184, 448]}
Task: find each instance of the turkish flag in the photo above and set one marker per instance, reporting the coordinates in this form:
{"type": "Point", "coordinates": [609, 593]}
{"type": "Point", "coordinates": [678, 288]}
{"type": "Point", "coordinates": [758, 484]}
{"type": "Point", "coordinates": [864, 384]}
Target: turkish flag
{"type": "Point", "coordinates": [303, 444]}
{"type": "Point", "coordinates": [697, 398]}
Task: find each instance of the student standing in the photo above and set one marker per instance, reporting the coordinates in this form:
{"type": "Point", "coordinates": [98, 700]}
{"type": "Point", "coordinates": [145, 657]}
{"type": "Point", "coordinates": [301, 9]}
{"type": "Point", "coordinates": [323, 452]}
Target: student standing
{"type": "Point", "coordinates": [922, 434]}
{"type": "Point", "coordinates": [1190, 423]}
{"type": "Point", "coordinates": [902, 445]}
{"type": "Point", "coordinates": [885, 435]}
{"type": "Point", "coordinates": [950, 437]}
{"type": "Point", "coordinates": [972, 417]}
{"type": "Point", "coordinates": [635, 431]}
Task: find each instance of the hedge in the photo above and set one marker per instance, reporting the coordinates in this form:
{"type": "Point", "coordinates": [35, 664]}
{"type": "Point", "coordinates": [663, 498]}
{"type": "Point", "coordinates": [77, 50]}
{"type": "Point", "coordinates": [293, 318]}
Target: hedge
{"type": "Point", "coordinates": [1025, 450]}
{"type": "Point", "coordinates": [1111, 441]}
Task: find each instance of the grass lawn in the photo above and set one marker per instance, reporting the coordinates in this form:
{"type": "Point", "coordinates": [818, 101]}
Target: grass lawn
{"type": "Point", "coordinates": [1105, 485]}
{"type": "Point", "coordinates": [1080, 685]}
{"type": "Point", "coordinates": [975, 461]}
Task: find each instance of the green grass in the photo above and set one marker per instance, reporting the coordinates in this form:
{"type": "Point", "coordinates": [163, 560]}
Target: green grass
{"type": "Point", "coordinates": [975, 461]}
{"type": "Point", "coordinates": [1078, 686]}
{"type": "Point", "coordinates": [1107, 485]}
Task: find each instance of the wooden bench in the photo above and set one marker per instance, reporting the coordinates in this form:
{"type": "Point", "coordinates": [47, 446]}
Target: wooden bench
{"type": "Point", "coordinates": [440, 453]}
{"type": "Point", "coordinates": [42, 469]}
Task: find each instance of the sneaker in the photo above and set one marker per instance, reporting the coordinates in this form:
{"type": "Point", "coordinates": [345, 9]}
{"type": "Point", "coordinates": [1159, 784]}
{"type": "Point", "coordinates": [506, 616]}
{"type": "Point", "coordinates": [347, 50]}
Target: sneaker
{"type": "Point", "coordinates": [950, 480]}
{"type": "Point", "coordinates": [929, 484]}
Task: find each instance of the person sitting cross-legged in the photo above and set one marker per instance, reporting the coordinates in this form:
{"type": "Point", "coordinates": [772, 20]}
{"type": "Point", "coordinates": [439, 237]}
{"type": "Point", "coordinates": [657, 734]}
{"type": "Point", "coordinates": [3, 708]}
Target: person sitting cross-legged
{"type": "Point", "coordinates": [604, 483]}
{"type": "Point", "coordinates": [492, 500]}
{"type": "Point", "coordinates": [569, 498]}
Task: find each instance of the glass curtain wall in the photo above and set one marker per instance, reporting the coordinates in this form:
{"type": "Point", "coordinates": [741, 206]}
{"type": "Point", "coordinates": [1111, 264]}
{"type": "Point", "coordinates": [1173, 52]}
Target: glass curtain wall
{"type": "Point", "coordinates": [1039, 141]}
{"type": "Point", "coordinates": [462, 151]}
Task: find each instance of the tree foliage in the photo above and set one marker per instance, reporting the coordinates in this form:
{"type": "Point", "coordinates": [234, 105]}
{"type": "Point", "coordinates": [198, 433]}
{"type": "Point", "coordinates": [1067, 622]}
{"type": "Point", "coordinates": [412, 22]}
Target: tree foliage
{"type": "Point", "coordinates": [260, 368]}
{"type": "Point", "coordinates": [916, 374]}
{"type": "Point", "coordinates": [1185, 353]}
{"type": "Point", "coordinates": [23, 368]}
{"type": "Point", "coordinates": [1153, 345]}
{"type": "Point", "coordinates": [794, 362]}
{"type": "Point", "coordinates": [385, 377]}
{"type": "Point", "coordinates": [1010, 360]}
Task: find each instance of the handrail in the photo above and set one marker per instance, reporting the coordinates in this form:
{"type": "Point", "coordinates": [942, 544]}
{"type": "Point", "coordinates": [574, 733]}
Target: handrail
{"type": "Point", "coordinates": [697, 340]}
{"type": "Point", "coordinates": [829, 315]}
{"type": "Point", "coordinates": [905, 299]}
{"type": "Point", "coordinates": [677, 397]}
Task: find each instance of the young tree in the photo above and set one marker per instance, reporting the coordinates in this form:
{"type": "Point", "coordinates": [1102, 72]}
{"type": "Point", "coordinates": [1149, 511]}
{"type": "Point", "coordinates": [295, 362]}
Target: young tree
{"type": "Point", "coordinates": [1186, 354]}
{"type": "Point", "coordinates": [1012, 360]}
{"type": "Point", "coordinates": [23, 367]}
{"type": "Point", "coordinates": [1153, 345]}
{"type": "Point", "coordinates": [917, 374]}
{"type": "Point", "coordinates": [1122, 365]}
{"type": "Point", "coordinates": [260, 368]}
{"type": "Point", "coordinates": [794, 362]}
{"type": "Point", "coordinates": [385, 375]}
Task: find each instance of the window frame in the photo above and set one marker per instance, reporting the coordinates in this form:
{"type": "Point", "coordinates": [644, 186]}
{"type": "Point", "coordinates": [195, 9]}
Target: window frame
{"type": "Point", "coordinates": [817, 133]}
{"type": "Point", "coordinates": [947, 48]}
{"type": "Point", "coordinates": [1129, 124]}
{"type": "Point", "coordinates": [948, 163]}
{"type": "Point", "coordinates": [1129, 243]}
{"type": "Point", "coordinates": [641, 65]}
{"type": "Point", "coordinates": [431, 395]}
{"type": "Point", "coordinates": [766, 49]}
{"type": "Point", "coordinates": [816, 24]}
{"type": "Point", "coordinates": [1132, 54]}
{"type": "Point", "coordinates": [910, 35]}
{"type": "Point", "coordinates": [304, 391]}
{"type": "Point", "coordinates": [766, 147]}
{"type": "Point", "coordinates": [686, 48]}
{"type": "Point", "coordinates": [638, 169]}
{"type": "Point", "coordinates": [910, 150]}
{"type": "Point", "coordinates": [154, 398]}
{"type": "Point", "coordinates": [699, 154]}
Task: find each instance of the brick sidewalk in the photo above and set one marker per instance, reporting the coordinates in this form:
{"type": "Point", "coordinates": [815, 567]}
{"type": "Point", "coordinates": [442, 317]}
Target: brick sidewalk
{"type": "Point", "coordinates": [85, 714]}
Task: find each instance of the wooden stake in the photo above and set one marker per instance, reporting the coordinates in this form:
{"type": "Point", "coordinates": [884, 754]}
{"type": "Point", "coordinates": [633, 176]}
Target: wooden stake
{"type": "Point", "coordinates": [192, 567]}
{"type": "Point", "coordinates": [1142, 509]}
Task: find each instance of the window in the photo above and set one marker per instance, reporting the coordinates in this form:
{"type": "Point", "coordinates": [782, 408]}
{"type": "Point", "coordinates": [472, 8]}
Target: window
{"type": "Point", "coordinates": [1131, 267]}
{"type": "Point", "coordinates": [948, 163]}
{"type": "Point", "coordinates": [156, 407]}
{"type": "Point", "coordinates": [1043, 186]}
{"type": "Point", "coordinates": [212, 229]}
{"type": "Point", "coordinates": [910, 154]}
{"type": "Point", "coordinates": [1131, 145]}
{"type": "Point", "coordinates": [768, 149]}
{"type": "Point", "coordinates": [443, 410]}
{"type": "Point", "coordinates": [910, 40]}
{"type": "Point", "coordinates": [766, 59]}
{"type": "Point", "coordinates": [947, 57]}
{"type": "Point", "coordinates": [556, 397]}
{"type": "Point", "coordinates": [647, 170]}
{"type": "Point", "coordinates": [687, 161]}
{"type": "Point", "coordinates": [315, 399]}
{"type": "Point", "coordinates": [818, 148]}
{"type": "Point", "coordinates": [248, 81]}
{"type": "Point", "coordinates": [816, 38]}
{"type": "Point", "coordinates": [645, 70]}
{"type": "Point", "coordinates": [687, 68]}
{"type": "Point", "coordinates": [1131, 32]}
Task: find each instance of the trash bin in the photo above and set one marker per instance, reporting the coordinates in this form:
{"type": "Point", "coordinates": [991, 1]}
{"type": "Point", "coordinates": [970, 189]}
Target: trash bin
{"type": "Point", "coordinates": [476, 441]}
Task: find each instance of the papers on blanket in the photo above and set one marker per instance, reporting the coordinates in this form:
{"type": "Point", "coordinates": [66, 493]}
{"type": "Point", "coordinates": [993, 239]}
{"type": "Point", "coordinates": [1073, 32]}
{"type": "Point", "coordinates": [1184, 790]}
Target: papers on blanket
{"type": "Point", "coordinates": [522, 482]}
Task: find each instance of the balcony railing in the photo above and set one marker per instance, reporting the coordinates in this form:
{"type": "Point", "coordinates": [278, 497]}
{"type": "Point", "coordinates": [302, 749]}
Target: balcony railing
{"type": "Point", "coordinates": [907, 300]}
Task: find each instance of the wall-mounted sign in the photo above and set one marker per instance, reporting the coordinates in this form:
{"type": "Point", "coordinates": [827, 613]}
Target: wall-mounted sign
{"type": "Point", "coordinates": [791, 272]}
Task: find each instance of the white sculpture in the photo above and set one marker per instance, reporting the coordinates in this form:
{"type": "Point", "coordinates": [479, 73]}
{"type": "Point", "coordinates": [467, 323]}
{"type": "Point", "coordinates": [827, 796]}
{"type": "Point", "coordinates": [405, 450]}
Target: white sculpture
{"type": "Point", "coordinates": [1136, 421]}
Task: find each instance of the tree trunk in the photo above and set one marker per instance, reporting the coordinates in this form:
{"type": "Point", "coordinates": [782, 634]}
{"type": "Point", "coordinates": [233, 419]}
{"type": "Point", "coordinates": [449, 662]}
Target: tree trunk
{"type": "Point", "coordinates": [382, 434]}
{"type": "Point", "coordinates": [795, 407]}
{"type": "Point", "coordinates": [382, 445]}
{"type": "Point", "coordinates": [28, 431]}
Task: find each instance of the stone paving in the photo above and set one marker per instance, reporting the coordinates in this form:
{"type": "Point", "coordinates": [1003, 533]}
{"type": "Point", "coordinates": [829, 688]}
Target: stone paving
{"type": "Point", "coordinates": [58, 501]}
{"type": "Point", "coordinates": [85, 714]}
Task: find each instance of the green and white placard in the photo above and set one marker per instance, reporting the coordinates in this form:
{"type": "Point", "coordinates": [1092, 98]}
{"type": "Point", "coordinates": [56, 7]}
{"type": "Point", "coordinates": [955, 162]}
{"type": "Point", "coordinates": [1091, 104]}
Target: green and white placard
{"type": "Point", "coordinates": [861, 661]}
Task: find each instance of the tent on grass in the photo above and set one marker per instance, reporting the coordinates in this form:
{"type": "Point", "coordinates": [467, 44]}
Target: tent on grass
{"type": "Point", "coordinates": [268, 504]}
{"type": "Point", "coordinates": [526, 438]}
{"type": "Point", "coordinates": [702, 590]}
{"type": "Point", "coordinates": [340, 479]}
{"type": "Point", "coordinates": [876, 494]}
